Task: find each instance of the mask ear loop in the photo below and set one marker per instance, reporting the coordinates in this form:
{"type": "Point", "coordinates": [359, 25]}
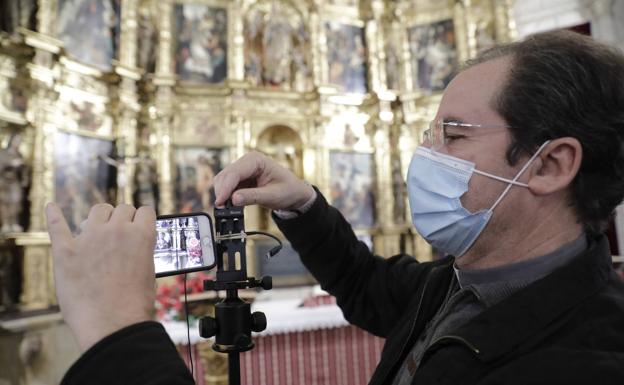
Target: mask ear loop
{"type": "Point", "coordinates": [514, 181]}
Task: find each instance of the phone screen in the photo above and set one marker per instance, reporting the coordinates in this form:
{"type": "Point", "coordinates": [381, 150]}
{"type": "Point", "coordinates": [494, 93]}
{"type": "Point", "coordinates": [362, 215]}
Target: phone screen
{"type": "Point", "coordinates": [184, 243]}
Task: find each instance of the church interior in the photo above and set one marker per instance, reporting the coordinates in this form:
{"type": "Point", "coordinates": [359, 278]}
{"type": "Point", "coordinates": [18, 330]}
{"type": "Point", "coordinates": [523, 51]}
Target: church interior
{"type": "Point", "coordinates": [145, 101]}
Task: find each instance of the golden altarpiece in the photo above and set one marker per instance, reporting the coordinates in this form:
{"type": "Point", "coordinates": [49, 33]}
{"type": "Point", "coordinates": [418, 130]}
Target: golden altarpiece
{"type": "Point", "coordinates": [144, 101]}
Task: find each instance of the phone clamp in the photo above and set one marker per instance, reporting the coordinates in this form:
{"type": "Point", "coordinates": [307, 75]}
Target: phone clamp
{"type": "Point", "coordinates": [233, 321]}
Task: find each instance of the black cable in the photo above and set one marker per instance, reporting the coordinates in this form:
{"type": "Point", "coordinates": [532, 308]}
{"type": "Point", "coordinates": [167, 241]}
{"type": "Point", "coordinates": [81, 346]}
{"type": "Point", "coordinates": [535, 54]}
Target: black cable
{"type": "Point", "coordinates": [274, 250]}
{"type": "Point", "coordinates": [188, 330]}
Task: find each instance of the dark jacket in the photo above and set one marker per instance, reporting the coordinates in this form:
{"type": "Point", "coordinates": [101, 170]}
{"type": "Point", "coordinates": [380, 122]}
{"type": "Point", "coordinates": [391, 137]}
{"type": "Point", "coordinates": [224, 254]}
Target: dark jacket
{"type": "Point", "coordinates": [565, 328]}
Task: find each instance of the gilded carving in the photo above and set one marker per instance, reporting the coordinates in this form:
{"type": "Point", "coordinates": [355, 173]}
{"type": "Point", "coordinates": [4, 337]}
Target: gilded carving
{"type": "Point", "coordinates": [170, 91]}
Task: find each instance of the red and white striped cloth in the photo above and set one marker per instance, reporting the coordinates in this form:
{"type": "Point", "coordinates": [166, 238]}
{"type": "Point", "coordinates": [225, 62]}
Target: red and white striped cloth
{"type": "Point", "coordinates": [339, 356]}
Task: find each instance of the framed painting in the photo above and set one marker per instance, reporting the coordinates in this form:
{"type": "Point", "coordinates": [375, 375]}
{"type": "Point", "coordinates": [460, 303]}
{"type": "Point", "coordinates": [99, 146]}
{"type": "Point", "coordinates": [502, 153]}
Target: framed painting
{"type": "Point", "coordinates": [196, 168]}
{"type": "Point", "coordinates": [277, 46]}
{"type": "Point", "coordinates": [346, 56]}
{"type": "Point", "coordinates": [352, 187]}
{"type": "Point", "coordinates": [433, 55]}
{"type": "Point", "coordinates": [200, 43]}
{"type": "Point", "coordinates": [90, 30]}
{"type": "Point", "coordinates": [285, 267]}
{"type": "Point", "coordinates": [81, 176]}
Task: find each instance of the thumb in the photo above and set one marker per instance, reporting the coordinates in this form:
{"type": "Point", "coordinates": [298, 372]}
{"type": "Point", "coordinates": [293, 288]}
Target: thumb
{"type": "Point", "coordinates": [57, 226]}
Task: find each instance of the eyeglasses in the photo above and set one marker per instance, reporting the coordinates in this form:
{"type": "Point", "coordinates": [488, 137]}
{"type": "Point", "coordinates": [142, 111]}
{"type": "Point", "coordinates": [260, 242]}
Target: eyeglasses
{"type": "Point", "coordinates": [436, 137]}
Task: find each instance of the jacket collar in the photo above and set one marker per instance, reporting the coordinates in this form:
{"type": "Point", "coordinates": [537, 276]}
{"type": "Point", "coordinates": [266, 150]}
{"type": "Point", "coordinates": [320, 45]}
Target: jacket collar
{"type": "Point", "coordinates": [513, 321]}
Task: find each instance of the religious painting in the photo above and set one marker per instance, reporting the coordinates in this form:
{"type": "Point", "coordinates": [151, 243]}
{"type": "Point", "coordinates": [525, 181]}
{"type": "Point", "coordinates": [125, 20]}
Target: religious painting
{"type": "Point", "coordinates": [201, 43]}
{"type": "Point", "coordinates": [81, 176]}
{"type": "Point", "coordinates": [433, 55]}
{"type": "Point", "coordinates": [352, 187]}
{"type": "Point", "coordinates": [277, 47]}
{"type": "Point", "coordinates": [285, 267]}
{"type": "Point", "coordinates": [199, 127]}
{"type": "Point", "coordinates": [196, 168]}
{"type": "Point", "coordinates": [90, 30]}
{"type": "Point", "coordinates": [84, 113]}
{"type": "Point", "coordinates": [346, 55]}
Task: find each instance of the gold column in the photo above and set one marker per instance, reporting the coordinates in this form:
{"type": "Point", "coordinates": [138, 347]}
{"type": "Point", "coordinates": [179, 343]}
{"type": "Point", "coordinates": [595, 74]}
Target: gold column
{"type": "Point", "coordinates": [128, 106]}
{"type": "Point", "coordinates": [38, 284]}
{"type": "Point", "coordinates": [163, 113]}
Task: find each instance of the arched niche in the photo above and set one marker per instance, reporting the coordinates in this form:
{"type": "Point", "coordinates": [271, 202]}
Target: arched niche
{"type": "Point", "coordinates": [284, 145]}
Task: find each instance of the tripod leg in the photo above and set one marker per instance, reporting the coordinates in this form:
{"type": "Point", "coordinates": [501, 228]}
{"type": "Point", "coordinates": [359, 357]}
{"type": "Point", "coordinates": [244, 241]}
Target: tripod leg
{"type": "Point", "coordinates": [234, 368]}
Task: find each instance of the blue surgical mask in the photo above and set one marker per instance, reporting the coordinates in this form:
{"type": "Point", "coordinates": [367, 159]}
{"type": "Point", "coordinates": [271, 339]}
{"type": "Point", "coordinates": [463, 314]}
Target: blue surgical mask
{"type": "Point", "coordinates": [435, 184]}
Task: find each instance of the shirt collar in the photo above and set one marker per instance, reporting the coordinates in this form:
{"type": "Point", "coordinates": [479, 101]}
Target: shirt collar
{"type": "Point", "coordinates": [492, 285]}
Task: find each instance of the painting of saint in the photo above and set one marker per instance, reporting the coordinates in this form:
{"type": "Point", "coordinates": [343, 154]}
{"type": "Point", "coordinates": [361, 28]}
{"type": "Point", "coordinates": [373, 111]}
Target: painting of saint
{"type": "Point", "coordinates": [277, 46]}
{"type": "Point", "coordinates": [433, 55]}
{"type": "Point", "coordinates": [81, 177]}
{"type": "Point", "coordinates": [196, 168]}
{"type": "Point", "coordinates": [351, 187]}
{"type": "Point", "coordinates": [346, 55]}
{"type": "Point", "coordinates": [90, 30]}
{"type": "Point", "coordinates": [201, 46]}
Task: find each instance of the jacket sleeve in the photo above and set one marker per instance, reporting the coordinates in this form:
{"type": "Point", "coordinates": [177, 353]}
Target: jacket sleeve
{"type": "Point", "coordinates": [141, 353]}
{"type": "Point", "coordinates": [372, 292]}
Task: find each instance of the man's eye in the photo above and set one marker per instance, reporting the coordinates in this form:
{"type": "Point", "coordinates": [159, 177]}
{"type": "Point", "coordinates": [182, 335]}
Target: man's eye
{"type": "Point", "coordinates": [451, 137]}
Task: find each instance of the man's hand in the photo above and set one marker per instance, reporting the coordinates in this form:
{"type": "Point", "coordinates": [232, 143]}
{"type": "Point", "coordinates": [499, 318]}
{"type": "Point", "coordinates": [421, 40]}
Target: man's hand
{"type": "Point", "coordinates": [257, 179]}
{"type": "Point", "coordinates": [105, 276]}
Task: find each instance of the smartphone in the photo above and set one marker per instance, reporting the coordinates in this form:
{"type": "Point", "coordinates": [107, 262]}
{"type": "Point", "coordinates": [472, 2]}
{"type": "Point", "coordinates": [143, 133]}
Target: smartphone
{"type": "Point", "coordinates": [184, 243]}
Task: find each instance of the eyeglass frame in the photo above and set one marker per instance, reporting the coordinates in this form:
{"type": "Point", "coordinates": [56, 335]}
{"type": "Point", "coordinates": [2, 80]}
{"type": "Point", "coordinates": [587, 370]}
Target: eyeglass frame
{"type": "Point", "coordinates": [426, 134]}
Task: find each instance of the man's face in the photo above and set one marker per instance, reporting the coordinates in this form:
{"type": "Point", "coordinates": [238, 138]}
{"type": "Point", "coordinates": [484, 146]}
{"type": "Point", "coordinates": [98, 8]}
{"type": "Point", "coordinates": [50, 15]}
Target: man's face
{"type": "Point", "coordinates": [468, 99]}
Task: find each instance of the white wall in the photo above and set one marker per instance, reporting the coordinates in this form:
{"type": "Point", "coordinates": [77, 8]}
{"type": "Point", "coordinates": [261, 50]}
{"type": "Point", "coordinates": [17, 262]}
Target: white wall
{"type": "Point", "coordinates": [605, 16]}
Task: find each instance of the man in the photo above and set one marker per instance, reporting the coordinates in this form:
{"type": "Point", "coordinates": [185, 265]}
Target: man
{"type": "Point", "coordinates": [516, 176]}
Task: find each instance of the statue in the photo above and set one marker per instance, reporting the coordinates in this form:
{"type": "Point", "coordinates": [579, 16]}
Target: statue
{"type": "Point", "coordinates": [278, 44]}
{"type": "Point", "coordinates": [146, 185]}
{"type": "Point", "coordinates": [13, 181]}
{"type": "Point", "coordinates": [17, 13]}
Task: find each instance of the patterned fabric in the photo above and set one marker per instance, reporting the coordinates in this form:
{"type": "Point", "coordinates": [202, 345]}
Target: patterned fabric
{"type": "Point", "coordinates": [340, 356]}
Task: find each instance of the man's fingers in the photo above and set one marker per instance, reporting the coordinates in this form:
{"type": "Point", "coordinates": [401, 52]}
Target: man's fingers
{"type": "Point", "coordinates": [100, 213]}
{"type": "Point", "coordinates": [123, 213]}
{"type": "Point", "coordinates": [250, 196]}
{"type": "Point", "coordinates": [145, 216]}
{"type": "Point", "coordinates": [249, 166]}
{"type": "Point", "coordinates": [57, 225]}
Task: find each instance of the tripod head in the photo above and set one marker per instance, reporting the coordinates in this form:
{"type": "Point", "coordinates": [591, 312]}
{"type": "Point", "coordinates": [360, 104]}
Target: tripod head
{"type": "Point", "coordinates": [233, 321]}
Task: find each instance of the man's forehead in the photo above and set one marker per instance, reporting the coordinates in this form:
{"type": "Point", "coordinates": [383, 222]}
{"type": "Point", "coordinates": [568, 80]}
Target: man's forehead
{"type": "Point", "coordinates": [470, 93]}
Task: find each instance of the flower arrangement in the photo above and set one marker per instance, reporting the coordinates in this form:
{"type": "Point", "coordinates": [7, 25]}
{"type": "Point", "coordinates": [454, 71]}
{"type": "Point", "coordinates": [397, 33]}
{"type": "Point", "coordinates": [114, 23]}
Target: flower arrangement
{"type": "Point", "coordinates": [170, 296]}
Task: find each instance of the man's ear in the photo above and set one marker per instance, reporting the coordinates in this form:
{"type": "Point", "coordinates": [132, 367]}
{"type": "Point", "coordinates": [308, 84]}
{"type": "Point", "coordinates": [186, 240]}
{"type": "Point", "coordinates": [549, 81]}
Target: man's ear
{"type": "Point", "coordinates": [556, 166]}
